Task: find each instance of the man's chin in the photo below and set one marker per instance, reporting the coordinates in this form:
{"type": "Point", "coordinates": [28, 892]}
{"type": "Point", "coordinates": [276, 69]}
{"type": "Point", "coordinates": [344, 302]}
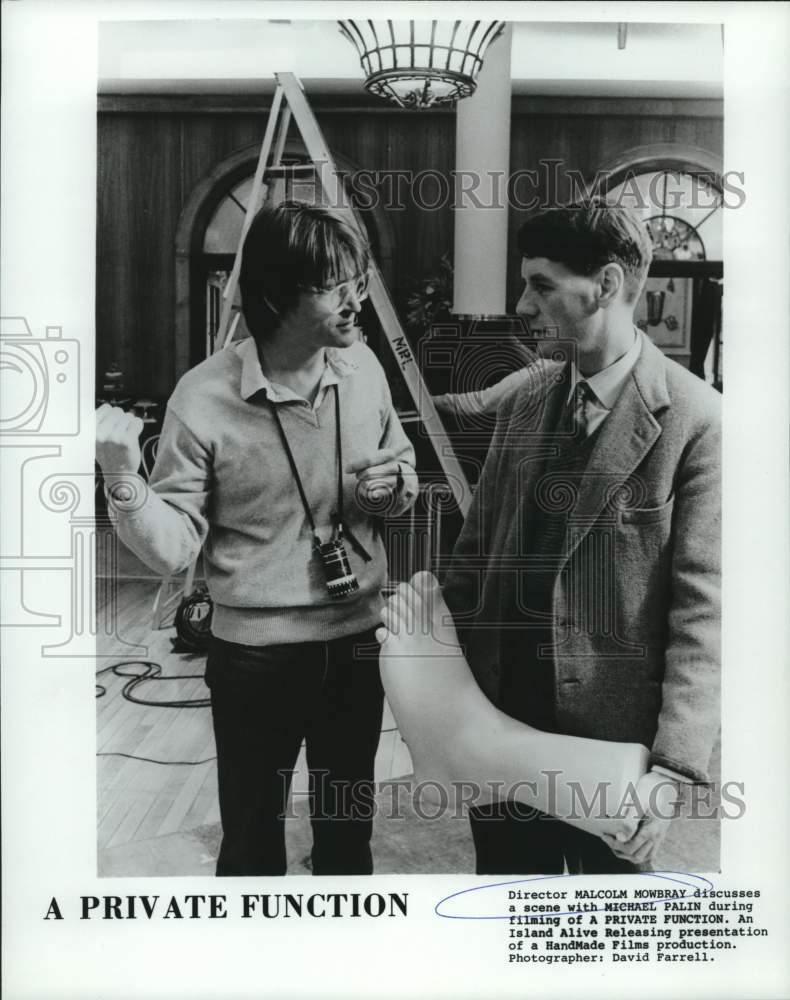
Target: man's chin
{"type": "Point", "coordinates": [346, 335]}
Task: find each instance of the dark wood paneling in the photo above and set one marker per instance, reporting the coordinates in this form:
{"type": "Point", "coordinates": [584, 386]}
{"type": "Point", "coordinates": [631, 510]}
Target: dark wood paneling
{"type": "Point", "coordinates": [140, 196]}
{"type": "Point", "coordinates": [207, 140]}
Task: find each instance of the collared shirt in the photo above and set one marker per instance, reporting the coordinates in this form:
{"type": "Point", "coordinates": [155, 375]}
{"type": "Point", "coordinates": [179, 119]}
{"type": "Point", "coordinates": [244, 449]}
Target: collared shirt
{"type": "Point", "coordinates": [253, 378]}
{"type": "Point", "coordinates": [606, 385]}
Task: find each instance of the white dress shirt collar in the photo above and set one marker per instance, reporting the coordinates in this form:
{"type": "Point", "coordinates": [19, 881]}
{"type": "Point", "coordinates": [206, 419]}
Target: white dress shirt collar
{"type": "Point", "coordinates": [608, 384]}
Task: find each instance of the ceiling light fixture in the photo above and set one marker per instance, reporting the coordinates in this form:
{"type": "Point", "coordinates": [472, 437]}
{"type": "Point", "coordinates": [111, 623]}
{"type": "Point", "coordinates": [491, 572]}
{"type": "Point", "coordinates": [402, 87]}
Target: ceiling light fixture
{"type": "Point", "coordinates": [418, 64]}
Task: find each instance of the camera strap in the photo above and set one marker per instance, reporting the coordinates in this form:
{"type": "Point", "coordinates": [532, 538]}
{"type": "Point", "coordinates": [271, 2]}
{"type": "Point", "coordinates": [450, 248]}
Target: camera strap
{"type": "Point", "coordinates": [337, 515]}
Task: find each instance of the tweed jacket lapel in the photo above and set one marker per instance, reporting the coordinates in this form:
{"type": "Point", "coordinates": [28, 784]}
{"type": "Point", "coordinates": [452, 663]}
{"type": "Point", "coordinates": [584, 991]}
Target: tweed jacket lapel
{"type": "Point", "coordinates": [530, 442]}
{"type": "Point", "coordinates": [623, 440]}
{"type": "Point", "coordinates": [540, 434]}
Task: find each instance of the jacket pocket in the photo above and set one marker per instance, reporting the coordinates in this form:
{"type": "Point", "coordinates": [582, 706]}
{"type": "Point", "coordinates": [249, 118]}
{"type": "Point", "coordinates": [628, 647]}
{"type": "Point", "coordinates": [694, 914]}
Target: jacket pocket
{"type": "Point", "coordinates": [647, 515]}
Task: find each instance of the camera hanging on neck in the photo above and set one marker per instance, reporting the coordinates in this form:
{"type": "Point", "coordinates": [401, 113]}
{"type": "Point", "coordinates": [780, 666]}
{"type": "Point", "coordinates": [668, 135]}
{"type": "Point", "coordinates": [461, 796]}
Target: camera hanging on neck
{"type": "Point", "coordinates": [340, 579]}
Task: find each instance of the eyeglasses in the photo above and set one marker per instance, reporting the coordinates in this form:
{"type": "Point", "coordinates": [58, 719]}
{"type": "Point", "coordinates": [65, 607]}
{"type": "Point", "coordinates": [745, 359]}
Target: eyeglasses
{"type": "Point", "coordinates": [338, 294]}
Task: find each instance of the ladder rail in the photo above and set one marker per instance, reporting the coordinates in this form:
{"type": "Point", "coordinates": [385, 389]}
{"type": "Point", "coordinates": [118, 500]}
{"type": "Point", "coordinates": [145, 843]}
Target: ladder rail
{"type": "Point", "coordinates": [229, 293]}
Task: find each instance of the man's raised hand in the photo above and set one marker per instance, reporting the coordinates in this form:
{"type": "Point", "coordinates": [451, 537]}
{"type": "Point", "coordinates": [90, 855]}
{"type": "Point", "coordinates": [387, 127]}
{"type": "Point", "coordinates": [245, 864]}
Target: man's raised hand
{"type": "Point", "coordinates": [117, 440]}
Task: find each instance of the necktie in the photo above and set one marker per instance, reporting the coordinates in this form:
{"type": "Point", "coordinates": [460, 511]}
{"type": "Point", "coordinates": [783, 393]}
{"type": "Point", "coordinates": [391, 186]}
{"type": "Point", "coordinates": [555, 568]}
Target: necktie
{"type": "Point", "coordinates": [582, 396]}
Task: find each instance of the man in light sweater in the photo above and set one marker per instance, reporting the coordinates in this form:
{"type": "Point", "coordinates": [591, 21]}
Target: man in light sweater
{"type": "Point", "coordinates": [278, 456]}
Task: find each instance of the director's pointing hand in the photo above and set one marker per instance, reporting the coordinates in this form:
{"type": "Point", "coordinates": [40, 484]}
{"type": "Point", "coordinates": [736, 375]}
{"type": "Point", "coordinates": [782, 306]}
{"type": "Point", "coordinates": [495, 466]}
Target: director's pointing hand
{"type": "Point", "coordinates": [377, 474]}
{"type": "Point", "coordinates": [380, 477]}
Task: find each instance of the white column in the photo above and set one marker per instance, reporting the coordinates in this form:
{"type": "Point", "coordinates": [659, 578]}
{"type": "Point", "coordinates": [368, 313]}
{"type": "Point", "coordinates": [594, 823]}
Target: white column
{"type": "Point", "coordinates": [482, 161]}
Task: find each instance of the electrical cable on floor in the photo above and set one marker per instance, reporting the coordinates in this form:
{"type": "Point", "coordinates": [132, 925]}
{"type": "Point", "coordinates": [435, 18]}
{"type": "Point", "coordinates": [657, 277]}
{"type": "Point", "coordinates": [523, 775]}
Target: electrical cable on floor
{"type": "Point", "coordinates": [151, 760]}
{"type": "Point", "coordinates": [152, 672]}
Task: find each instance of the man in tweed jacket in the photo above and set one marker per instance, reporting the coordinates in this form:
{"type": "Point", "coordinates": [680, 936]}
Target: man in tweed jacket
{"type": "Point", "coordinates": [585, 582]}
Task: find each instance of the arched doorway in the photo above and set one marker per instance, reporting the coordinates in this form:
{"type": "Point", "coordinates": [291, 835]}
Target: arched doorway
{"type": "Point", "coordinates": [208, 232]}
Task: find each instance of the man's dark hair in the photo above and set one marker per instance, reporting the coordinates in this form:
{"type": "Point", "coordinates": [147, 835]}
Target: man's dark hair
{"type": "Point", "coordinates": [587, 237]}
{"type": "Point", "coordinates": [289, 247]}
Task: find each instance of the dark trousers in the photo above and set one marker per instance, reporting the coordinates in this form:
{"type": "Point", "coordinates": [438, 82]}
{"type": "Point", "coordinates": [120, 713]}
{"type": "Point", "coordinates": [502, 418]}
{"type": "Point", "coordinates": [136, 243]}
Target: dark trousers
{"type": "Point", "coordinates": [265, 700]}
{"type": "Point", "coordinates": [512, 839]}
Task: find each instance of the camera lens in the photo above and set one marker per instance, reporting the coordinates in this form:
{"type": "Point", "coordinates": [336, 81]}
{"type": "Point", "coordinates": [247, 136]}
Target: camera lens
{"type": "Point", "coordinates": [340, 580]}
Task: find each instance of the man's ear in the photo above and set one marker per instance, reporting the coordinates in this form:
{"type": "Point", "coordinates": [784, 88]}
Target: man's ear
{"type": "Point", "coordinates": [611, 281]}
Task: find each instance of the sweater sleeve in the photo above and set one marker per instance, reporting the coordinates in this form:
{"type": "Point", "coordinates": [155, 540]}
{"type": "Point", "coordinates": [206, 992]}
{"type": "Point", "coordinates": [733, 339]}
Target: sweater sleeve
{"type": "Point", "coordinates": [480, 401]}
{"type": "Point", "coordinates": [394, 437]}
{"type": "Point", "coordinates": [165, 523]}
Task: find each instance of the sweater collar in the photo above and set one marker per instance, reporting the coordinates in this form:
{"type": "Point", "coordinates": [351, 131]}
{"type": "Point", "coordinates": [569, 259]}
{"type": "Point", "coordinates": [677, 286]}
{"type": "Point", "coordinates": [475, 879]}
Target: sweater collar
{"type": "Point", "coordinates": [253, 378]}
